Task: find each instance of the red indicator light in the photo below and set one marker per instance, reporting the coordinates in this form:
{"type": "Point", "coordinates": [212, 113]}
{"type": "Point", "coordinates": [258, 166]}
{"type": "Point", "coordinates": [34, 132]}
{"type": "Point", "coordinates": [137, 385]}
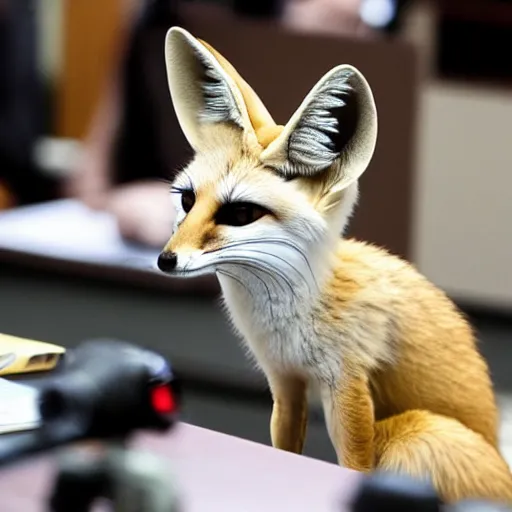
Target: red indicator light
{"type": "Point", "coordinates": [162, 400]}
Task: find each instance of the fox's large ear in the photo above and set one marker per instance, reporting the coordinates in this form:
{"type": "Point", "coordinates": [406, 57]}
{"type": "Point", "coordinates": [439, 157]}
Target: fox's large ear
{"type": "Point", "coordinates": [206, 89]}
{"type": "Point", "coordinates": [335, 124]}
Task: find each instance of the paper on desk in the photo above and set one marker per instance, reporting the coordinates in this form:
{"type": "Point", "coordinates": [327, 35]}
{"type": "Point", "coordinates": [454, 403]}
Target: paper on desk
{"type": "Point", "coordinates": [67, 229]}
{"type": "Point", "coordinates": [18, 407]}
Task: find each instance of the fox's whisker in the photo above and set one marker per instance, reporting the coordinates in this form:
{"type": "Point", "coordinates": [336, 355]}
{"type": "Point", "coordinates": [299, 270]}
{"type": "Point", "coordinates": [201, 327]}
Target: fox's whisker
{"type": "Point", "coordinates": [269, 254]}
{"type": "Point", "coordinates": [285, 277]}
{"type": "Point", "coordinates": [303, 278]}
{"type": "Point", "coordinates": [277, 241]}
{"type": "Point", "coordinates": [237, 279]}
{"type": "Point", "coordinates": [264, 284]}
{"type": "Point", "coordinates": [274, 268]}
{"type": "Point", "coordinates": [291, 245]}
{"type": "Point", "coordinates": [275, 272]}
{"type": "Point", "coordinates": [249, 263]}
{"type": "Point", "coordinates": [256, 276]}
{"type": "Point", "coordinates": [262, 267]}
{"type": "Point", "coordinates": [300, 251]}
{"type": "Point", "coordinates": [265, 253]}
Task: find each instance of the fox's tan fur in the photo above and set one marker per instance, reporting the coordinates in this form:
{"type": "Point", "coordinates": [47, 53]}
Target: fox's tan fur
{"type": "Point", "coordinates": [402, 382]}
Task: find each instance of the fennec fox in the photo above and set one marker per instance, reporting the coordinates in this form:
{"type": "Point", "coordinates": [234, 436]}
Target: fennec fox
{"type": "Point", "coordinates": [402, 383]}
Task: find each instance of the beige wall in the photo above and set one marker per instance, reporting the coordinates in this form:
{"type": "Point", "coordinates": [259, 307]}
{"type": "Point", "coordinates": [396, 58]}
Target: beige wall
{"type": "Point", "coordinates": [463, 225]}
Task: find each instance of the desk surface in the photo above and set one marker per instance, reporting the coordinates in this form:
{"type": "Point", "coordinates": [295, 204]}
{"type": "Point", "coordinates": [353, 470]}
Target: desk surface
{"type": "Point", "coordinates": [215, 473]}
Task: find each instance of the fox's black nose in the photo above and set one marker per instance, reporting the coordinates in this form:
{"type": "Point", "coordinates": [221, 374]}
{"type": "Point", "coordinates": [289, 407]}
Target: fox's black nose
{"type": "Point", "coordinates": [167, 261]}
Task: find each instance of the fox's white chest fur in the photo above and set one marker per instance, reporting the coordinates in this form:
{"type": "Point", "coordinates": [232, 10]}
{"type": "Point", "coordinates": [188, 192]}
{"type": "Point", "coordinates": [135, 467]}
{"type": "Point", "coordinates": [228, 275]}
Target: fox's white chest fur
{"type": "Point", "coordinates": [278, 326]}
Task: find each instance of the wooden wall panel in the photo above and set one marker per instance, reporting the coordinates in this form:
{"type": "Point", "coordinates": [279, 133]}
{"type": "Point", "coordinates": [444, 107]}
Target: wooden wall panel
{"type": "Point", "coordinates": [91, 30]}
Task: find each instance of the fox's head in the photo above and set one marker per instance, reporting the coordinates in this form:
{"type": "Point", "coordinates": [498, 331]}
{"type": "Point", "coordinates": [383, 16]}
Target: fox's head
{"type": "Point", "coordinates": [257, 195]}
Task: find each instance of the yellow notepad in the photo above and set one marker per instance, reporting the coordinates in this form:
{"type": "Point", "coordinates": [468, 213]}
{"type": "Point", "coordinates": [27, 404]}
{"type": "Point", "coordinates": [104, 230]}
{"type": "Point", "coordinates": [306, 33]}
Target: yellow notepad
{"type": "Point", "coordinates": [20, 355]}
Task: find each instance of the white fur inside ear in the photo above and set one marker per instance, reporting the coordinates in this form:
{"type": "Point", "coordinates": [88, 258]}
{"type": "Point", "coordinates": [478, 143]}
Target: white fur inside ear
{"type": "Point", "coordinates": [334, 128]}
{"type": "Point", "coordinates": [219, 103]}
{"type": "Point", "coordinates": [311, 142]}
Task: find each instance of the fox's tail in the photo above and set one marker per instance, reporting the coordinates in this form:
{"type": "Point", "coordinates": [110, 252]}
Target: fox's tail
{"type": "Point", "coordinates": [460, 463]}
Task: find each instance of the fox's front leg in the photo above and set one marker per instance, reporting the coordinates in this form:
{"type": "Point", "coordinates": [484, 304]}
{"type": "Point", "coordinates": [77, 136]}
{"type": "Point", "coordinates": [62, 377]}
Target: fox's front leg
{"type": "Point", "coordinates": [350, 419]}
{"type": "Point", "coordinates": [289, 412]}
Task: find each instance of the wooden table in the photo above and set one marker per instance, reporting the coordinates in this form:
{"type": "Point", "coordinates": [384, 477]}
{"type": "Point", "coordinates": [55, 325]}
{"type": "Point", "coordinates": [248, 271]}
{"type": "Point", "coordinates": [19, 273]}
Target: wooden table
{"type": "Point", "coordinates": [214, 473]}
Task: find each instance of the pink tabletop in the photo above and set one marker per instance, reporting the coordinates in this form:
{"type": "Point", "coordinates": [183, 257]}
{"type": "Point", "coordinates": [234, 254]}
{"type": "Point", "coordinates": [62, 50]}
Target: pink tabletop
{"type": "Point", "coordinates": [214, 473]}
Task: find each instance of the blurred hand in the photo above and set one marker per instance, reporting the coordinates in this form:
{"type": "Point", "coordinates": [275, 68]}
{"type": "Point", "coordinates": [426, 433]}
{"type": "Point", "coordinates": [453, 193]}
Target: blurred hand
{"type": "Point", "coordinates": [90, 180]}
{"type": "Point", "coordinates": [144, 211]}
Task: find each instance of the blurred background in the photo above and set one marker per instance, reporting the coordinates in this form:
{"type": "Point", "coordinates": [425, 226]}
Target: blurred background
{"type": "Point", "coordinates": [89, 142]}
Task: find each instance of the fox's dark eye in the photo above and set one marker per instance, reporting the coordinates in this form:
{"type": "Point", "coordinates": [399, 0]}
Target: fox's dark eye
{"type": "Point", "coordinates": [188, 199]}
{"type": "Point", "coordinates": [239, 214]}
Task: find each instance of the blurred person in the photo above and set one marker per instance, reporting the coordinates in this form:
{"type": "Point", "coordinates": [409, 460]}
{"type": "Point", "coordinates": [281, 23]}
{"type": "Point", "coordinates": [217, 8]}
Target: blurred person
{"type": "Point", "coordinates": [21, 107]}
{"type": "Point", "coordinates": [360, 18]}
{"type": "Point", "coordinates": [135, 145]}
{"type": "Point", "coordinates": [340, 17]}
